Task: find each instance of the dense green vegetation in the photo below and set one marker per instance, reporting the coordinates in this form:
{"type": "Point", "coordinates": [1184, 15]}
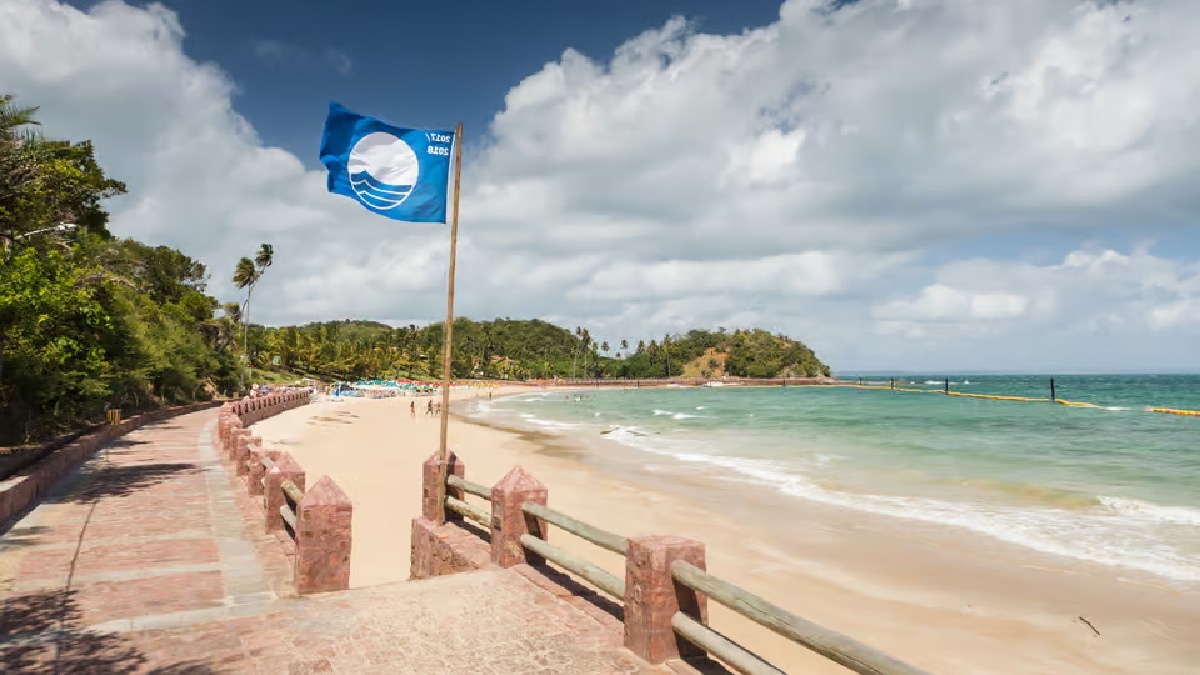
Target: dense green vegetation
{"type": "Point", "coordinates": [89, 320]}
{"type": "Point", "coordinates": [506, 348]}
{"type": "Point", "coordinates": [86, 319]}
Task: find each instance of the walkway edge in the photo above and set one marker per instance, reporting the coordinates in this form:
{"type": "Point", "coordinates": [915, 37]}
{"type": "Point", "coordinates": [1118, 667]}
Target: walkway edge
{"type": "Point", "coordinates": [21, 491]}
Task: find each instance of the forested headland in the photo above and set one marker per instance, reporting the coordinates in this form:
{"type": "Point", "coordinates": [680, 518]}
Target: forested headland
{"type": "Point", "coordinates": [89, 320]}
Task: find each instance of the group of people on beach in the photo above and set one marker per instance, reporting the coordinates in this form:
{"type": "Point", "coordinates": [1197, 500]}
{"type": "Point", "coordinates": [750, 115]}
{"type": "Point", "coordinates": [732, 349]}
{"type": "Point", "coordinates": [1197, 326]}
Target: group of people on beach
{"type": "Point", "coordinates": [431, 408]}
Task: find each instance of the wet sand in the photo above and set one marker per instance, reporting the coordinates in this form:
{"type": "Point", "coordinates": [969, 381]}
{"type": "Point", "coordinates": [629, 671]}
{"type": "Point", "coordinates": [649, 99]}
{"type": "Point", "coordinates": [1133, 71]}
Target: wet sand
{"type": "Point", "coordinates": [940, 598]}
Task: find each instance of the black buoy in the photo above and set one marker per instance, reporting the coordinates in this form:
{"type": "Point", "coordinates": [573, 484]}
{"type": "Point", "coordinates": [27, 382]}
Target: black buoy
{"type": "Point", "coordinates": [1053, 396]}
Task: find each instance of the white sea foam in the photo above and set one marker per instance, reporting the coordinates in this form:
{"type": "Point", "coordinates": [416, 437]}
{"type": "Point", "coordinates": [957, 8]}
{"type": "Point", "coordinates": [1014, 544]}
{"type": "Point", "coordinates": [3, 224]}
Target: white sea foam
{"type": "Point", "coordinates": [1154, 513]}
{"type": "Point", "coordinates": [684, 416]}
{"type": "Point", "coordinates": [1121, 532]}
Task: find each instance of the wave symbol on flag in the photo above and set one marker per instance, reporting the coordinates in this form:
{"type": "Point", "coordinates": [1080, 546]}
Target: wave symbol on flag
{"type": "Point", "coordinates": [383, 170]}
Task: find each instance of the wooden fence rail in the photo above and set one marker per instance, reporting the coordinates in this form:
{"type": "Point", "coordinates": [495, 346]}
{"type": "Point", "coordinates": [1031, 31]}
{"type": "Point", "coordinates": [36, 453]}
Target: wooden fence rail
{"type": "Point", "coordinates": [600, 578]}
{"type": "Point", "coordinates": [832, 645]}
{"type": "Point", "coordinates": [468, 510]}
{"type": "Point", "coordinates": [469, 487]}
{"type": "Point", "coordinates": [599, 537]}
{"type": "Point", "coordinates": [659, 624]}
{"type": "Point", "coordinates": [293, 495]}
{"type": "Point", "coordinates": [738, 657]}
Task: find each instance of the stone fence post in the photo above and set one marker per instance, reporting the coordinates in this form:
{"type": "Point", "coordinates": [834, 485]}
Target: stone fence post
{"type": "Point", "coordinates": [433, 492]}
{"type": "Point", "coordinates": [652, 597]}
{"type": "Point", "coordinates": [323, 539]}
{"type": "Point", "coordinates": [242, 452]}
{"type": "Point", "coordinates": [256, 480]}
{"type": "Point", "coordinates": [285, 468]}
{"type": "Point", "coordinates": [509, 522]}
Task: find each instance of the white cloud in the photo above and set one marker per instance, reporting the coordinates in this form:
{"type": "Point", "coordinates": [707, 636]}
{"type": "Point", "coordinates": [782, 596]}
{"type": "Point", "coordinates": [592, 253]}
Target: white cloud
{"type": "Point", "coordinates": [792, 176]}
{"type": "Point", "coordinates": [1100, 301]}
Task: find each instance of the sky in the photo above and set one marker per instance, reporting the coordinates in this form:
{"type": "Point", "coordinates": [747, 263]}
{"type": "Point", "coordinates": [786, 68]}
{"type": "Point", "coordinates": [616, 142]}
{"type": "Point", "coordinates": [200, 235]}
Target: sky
{"type": "Point", "coordinates": [917, 185]}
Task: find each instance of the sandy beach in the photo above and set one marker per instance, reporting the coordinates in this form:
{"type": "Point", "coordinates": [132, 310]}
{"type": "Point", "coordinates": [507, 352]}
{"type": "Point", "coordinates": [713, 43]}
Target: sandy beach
{"type": "Point", "coordinates": [943, 600]}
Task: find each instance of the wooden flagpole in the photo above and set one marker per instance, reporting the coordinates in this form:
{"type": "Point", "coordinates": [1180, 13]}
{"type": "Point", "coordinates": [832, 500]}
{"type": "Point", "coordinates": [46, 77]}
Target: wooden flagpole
{"type": "Point", "coordinates": [448, 333]}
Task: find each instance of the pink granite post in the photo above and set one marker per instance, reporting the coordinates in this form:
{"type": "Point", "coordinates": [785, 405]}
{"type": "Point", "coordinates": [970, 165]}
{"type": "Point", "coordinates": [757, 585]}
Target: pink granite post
{"type": "Point", "coordinates": [225, 422]}
{"type": "Point", "coordinates": [285, 468]}
{"type": "Point", "coordinates": [235, 429]}
{"type": "Point", "coordinates": [433, 499]}
{"type": "Point", "coordinates": [256, 446]}
{"type": "Point", "coordinates": [323, 539]}
{"type": "Point", "coordinates": [255, 480]}
{"type": "Point", "coordinates": [223, 419]}
{"type": "Point", "coordinates": [509, 522]}
{"type": "Point", "coordinates": [242, 455]}
{"type": "Point", "coordinates": [652, 597]}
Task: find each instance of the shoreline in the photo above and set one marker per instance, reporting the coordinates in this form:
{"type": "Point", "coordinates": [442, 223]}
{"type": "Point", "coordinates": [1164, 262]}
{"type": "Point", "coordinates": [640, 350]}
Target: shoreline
{"type": "Point", "coordinates": [927, 594]}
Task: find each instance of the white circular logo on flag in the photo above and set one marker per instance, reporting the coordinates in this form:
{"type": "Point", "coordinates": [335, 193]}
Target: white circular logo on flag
{"type": "Point", "coordinates": [383, 170]}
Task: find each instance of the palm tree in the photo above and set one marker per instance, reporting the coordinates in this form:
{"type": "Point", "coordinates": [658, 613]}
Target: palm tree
{"type": "Point", "coordinates": [247, 273]}
{"type": "Point", "coordinates": [667, 348]}
{"type": "Point", "coordinates": [575, 352]}
{"type": "Point", "coordinates": [586, 345]}
{"type": "Point", "coordinates": [19, 147]}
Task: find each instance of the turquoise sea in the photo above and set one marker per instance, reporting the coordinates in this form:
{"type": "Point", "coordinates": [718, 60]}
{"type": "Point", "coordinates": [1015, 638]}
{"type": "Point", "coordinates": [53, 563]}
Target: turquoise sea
{"type": "Point", "coordinates": [1115, 485]}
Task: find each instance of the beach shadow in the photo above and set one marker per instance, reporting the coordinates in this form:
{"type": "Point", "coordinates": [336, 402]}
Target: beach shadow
{"type": "Point", "coordinates": [165, 426]}
{"type": "Point", "coordinates": [21, 537]}
{"type": "Point", "coordinates": [587, 593]}
{"type": "Point", "coordinates": [118, 481]}
{"type": "Point", "coordinates": [470, 526]}
{"type": "Point", "coordinates": [126, 442]}
{"type": "Point", "coordinates": [333, 420]}
{"type": "Point", "coordinates": [43, 633]}
{"type": "Point", "coordinates": [706, 666]}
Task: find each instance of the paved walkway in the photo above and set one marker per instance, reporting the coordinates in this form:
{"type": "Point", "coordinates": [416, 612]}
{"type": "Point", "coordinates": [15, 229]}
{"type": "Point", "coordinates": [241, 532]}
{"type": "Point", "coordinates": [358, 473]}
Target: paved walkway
{"type": "Point", "coordinates": [151, 559]}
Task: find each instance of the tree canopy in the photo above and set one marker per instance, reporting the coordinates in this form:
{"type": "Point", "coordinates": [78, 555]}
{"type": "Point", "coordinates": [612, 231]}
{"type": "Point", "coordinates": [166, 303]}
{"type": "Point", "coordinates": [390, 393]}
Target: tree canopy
{"type": "Point", "coordinates": [86, 319]}
{"type": "Point", "coordinates": [515, 349]}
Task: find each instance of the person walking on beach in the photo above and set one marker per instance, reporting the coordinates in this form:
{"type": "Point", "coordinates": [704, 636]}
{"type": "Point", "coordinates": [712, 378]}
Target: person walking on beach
{"type": "Point", "coordinates": [429, 407]}
{"type": "Point", "coordinates": [412, 409]}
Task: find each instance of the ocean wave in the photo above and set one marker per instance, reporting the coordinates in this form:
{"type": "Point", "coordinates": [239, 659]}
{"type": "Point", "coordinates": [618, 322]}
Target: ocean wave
{"type": "Point", "coordinates": [1156, 513]}
{"type": "Point", "coordinates": [554, 424]}
{"type": "Point", "coordinates": [662, 412]}
{"type": "Point", "coordinates": [1115, 531]}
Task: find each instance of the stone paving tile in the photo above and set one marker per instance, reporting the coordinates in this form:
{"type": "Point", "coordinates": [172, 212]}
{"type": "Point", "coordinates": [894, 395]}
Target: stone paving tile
{"type": "Point", "coordinates": [106, 600]}
{"type": "Point", "coordinates": [153, 559]}
{"type": "Point", "coordinates": [150, 554]}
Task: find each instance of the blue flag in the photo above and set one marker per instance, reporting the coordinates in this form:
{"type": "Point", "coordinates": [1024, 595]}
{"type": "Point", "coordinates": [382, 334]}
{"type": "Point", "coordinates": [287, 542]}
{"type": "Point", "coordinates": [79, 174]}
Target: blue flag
{"type": "Point", "coordinates": [395, 172]}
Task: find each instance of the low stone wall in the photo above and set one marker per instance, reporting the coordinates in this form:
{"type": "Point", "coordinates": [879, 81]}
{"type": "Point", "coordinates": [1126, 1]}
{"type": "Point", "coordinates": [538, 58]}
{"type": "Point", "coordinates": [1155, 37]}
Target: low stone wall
{"type": "Point", "coordinates": [312, 524]}
{"type": "Point", "coordinates": [19, 491]}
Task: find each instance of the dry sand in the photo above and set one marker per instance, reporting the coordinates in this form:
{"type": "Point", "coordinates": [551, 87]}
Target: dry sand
{"type": "Point", "coordinates": [942, 600]}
